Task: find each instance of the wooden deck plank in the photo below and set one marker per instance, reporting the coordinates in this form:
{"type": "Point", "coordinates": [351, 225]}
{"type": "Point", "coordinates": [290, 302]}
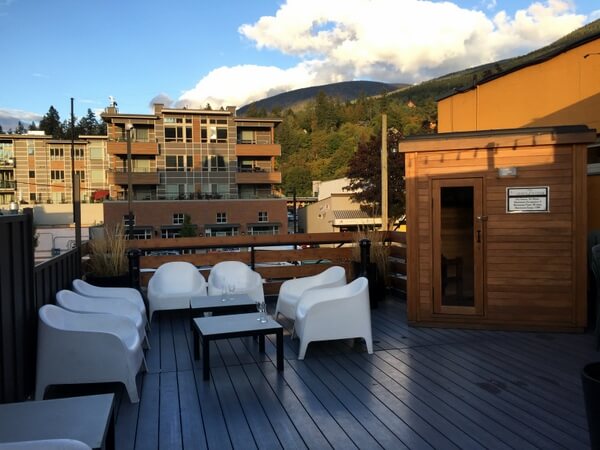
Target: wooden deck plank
{"type": "Point", "coordinates": [422, 388]}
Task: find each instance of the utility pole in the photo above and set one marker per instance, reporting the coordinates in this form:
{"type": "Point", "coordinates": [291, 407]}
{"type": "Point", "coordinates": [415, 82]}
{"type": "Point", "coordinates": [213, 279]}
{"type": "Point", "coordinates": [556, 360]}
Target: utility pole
{"type": "Point", "coordinates": [128, 128]}
{"type": "Point", "coordinates": [384, 174]}
{"type": "Point", "coordinates": [75, 193]}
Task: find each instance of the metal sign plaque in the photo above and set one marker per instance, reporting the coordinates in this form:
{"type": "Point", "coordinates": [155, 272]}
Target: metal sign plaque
{"type": "Point", "coordinates": [528, 199]}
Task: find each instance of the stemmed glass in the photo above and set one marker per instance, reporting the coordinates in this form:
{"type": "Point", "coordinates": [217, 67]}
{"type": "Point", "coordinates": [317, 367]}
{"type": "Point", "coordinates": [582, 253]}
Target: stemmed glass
{"type": "Point", "coordinates": [231, 290]}
{"type": "Point", "coordinates": [261, 306]}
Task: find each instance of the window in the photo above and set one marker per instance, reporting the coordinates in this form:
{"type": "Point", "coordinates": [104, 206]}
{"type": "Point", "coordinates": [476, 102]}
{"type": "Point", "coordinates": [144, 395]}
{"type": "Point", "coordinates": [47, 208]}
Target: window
{"type": "Point", "coordinates": [142, 234]}
{"type": "Point", "coordinates": [178, 218]}
{"type": "Point", "coordinates": [215, 132]}
{"type": "Point", "coordinates": [32, 174]}
{"type": "Point", "coordinates": [221, 217]}
{"type": "Point", "coordinates": [263, 216]}
{"type": "Point", "coordinates": [57, 175]}
{"type": "Point", "coordinates": [56, 153]}
{"type": "Point", "coordinates": [267, 229]}
{"type": "Point", "coordinates": [126, 220]}
{"type": "Point", "coordinates": [78, 153]}
{"type": "Point", "coordinates": [167, 233]}
{"type": "Point", "coordinates": [96, 151]}
{"type": "Point", "coordinates": [246, 137]}
{"type": "Point", "coordinates": [179, 163]}
{"type": "Point", "coordinates": [141, 134]}
{"type": "Point", "coordinates": [214, 163]}
{"type": "Point", "coordinates": [81, 174]}
{"type": "Point", "coordinates": [178, 134]}
{"type": "Point", "coordinates": [32, 197]}
{"type": "Point", "coordinates": [30, 146]}
{"type": "Point", "coordinates": [97, 176]}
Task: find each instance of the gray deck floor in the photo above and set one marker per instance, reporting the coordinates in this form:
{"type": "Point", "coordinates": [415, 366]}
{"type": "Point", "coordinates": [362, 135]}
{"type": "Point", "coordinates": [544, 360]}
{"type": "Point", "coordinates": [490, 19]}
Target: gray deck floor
{"type": "Point", "coordinates": [422, 388]}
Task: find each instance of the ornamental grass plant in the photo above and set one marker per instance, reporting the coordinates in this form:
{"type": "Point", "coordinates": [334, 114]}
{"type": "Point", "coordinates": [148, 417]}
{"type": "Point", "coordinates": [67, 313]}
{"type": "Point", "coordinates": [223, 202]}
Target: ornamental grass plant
{"type": "Point", "coordinates": [108, 254]}
{"type": "Point", "coordinates": [379, 250]}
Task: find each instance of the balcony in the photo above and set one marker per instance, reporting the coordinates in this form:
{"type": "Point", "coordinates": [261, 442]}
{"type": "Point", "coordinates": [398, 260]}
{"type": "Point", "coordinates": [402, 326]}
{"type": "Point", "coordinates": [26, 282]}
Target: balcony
{"type": "Point", "coordinates": [120, 177]}
{"type": "Point", "coordinates": [244, 149]}
{"type": "Point", "coordinates": [258, 177]}
{"type": "Point", "coordinates": [137, 148]}
{"type": "Point", "coordinates": [421, 388]}
{"type": "Point", "coordinates": [8, 185]}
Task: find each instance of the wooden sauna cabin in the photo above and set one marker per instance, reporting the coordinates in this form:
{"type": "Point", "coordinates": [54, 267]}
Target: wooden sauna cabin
{"type": "Point", "coordinates": [496, 228]}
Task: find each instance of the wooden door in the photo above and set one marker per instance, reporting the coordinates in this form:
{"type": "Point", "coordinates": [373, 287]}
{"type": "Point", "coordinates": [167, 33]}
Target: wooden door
{"type": "Point", "coordinates": [458, 242]}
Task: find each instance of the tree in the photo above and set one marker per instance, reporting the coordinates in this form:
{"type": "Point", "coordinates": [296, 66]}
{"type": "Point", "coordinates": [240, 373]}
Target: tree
{"type": "Point", "coordinates": [1, 130]}
{"type": "Point", "coordinates": [51, 124]}
{"type": "Point", "coordinates": [364, 172]}
{"type": "Point", "coordinates": [20, 128]}
{"type": "Point", "coordinates": [32, 127]}
{"type": "Point", "coordinates": [187, 229]}
{"type": "Point", "coordinates": [88, 124]}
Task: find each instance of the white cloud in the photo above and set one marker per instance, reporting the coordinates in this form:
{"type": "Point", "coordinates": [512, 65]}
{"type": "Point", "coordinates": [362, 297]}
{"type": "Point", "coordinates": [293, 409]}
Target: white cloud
{"type": "Point", "coordinates": [9, 118]}
{"type": "Point", "coordinates": [384, 40]}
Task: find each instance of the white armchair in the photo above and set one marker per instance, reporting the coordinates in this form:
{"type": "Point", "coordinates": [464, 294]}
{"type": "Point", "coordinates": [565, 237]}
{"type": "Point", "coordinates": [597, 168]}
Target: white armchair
{"type": "Point", "coordinates": [341, 312]}
{"type": "Point", "coordinates": [78, 348]}
{"type": "Point", "coordinates": [246, 280]}
{"type": "Point", "coordinates": [291, 290]}
{"type": "Point", "coordinates": [80, 303]}
{"type": "Point", "coordinates": [173, 285]}
{"type": "Point", "coordinates": [46, 444]}
{"type": "Point", "coordinates": [130, 294]}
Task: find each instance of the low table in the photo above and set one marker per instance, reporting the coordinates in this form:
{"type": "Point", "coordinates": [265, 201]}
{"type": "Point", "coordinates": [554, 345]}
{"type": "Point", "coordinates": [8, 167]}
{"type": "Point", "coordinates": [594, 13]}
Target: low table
{"type": "Point", "coordinates": [231, 326]}
{"type": "Point", "coordinates": [88, 419]}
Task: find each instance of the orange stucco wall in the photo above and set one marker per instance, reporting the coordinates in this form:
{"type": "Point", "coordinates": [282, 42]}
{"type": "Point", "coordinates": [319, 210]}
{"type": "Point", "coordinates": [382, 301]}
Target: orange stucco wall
{"type": "Point", "coordinates": [564, 90]}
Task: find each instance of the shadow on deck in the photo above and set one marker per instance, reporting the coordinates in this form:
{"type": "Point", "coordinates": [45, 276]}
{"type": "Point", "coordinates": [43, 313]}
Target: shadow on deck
{"type": "Point", "coordinates": [422, 388]}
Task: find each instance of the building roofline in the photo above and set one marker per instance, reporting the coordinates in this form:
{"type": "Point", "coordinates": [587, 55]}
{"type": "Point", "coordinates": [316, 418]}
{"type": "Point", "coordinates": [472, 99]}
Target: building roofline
{"type": "Point", "coordinates": [533, 62]}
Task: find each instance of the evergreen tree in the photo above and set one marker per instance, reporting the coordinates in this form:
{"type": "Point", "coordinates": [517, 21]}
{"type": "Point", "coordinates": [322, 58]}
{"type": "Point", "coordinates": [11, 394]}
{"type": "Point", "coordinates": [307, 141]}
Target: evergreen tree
{"type": "Point", "coordinates": [51, 124]}
{"type": "Point", "coordinates": [32, 127]}
{"type": "Point", "coordinates": [88, 124]}
{"type": "Point", "coordinates": [187, 229]}
{"type": "Point", "coordinates": [20, 128]}
{"type": "Point", "coordinates": [1, 130]}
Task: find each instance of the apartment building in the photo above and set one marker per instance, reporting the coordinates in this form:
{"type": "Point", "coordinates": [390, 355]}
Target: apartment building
{"type": "Point", "coordinates": [219, 164]}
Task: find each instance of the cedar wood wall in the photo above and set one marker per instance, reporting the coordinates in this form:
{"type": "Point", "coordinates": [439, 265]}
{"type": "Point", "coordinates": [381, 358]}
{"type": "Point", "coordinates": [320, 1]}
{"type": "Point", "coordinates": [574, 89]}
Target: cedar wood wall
{"type": "Point", "coordinates": [534, 264]}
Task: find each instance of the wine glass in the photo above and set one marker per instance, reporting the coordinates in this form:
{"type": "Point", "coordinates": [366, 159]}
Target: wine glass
{"type": "Point", "coordinates": [231, 290]}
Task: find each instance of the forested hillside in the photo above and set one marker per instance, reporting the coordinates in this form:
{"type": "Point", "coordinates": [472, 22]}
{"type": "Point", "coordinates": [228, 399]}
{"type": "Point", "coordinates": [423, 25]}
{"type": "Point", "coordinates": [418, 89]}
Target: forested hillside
{"type": "Point", "coordinates": [319, 139]}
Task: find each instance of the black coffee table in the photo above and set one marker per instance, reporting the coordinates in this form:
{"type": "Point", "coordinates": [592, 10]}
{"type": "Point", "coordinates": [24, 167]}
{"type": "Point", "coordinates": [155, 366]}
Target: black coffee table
{"type": "Point", "coordinates": [88, 419]}
{"type": "Point", "coordinates": [232, 326]}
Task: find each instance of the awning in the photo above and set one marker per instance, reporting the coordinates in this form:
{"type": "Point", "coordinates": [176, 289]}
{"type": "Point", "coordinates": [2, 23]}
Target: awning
{"type": "Point", "coordinates": [346, 217]}
{"type": "Point", "coordinates": [100, 194]}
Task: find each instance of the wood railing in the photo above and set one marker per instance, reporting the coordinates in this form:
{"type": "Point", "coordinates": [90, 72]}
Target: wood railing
{"type": "Point", "coordinates": [274, 257]}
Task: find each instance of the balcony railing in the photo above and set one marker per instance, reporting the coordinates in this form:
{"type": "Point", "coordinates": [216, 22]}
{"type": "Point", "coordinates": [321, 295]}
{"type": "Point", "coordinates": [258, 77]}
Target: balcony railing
{"type": "Point", "coordinates": [10, 185]}
{"type": "Point", "coordinates": [137, 148]}
{"type": "Point", "coordinates": [119, 176]}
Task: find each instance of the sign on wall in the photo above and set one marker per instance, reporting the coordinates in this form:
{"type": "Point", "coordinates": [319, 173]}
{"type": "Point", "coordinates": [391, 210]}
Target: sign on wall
{"type": "Point", "coordinates": [528, 199]}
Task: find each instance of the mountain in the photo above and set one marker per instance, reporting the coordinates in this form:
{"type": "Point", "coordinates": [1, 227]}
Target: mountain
{"type": "Point", "coordinates": [344, 91]}
{"type": "Point", "coordinates": [427, 91]}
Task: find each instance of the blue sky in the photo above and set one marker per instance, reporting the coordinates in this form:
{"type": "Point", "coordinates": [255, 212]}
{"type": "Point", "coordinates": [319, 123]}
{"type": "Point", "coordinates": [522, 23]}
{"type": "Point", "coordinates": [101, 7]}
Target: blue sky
{"type": "Point", "coordinates": [231, 52]}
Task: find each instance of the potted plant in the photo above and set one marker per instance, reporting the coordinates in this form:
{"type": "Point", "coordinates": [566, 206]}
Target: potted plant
{"type": "Point", "coordinates": [378, 262]}
{"type": "Point", "coordinates": [108, 264]}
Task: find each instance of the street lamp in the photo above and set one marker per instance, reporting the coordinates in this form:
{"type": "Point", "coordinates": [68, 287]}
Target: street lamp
{"type": "Point", "coordinates": [128, 128]}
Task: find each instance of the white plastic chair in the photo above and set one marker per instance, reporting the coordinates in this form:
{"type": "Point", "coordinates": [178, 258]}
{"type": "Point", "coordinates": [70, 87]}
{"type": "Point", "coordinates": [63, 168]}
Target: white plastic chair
{"type": "Point", "coordinates": [76, 348]}
{"type": "Point", "coordinates": [291, 290]}
{"type": "Point", "coordinates": [46, 444]}
{"type": "Point", "coordinates": [130, 294]}
{"type": "Point", "coordinates": [80, 303]}
{"type": "Point", "coordinates": [173, 285]}
{"type": "Point", "coordinates": [341, 312]}
{"type": "Point", "coordinates": [245, 280]}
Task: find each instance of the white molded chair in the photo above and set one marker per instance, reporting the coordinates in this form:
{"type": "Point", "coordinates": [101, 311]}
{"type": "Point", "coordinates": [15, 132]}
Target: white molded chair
{"type": "Point", "coordinates": [130, 294]}
{"type": "Point", "coordinates": [341, 312]}
{"type": "Point", "coordinates": [80, 303]}
{"type": "Point", "coordinates": [291, 290]}
{"type": "Point", "coordinates": [46, 444]}
{"type": "Point", "coordinates": [76, 348]}
{"type": "Point", "coordinates": [173, 285]}
{"type": "Point", "coordinates": [246, 280]}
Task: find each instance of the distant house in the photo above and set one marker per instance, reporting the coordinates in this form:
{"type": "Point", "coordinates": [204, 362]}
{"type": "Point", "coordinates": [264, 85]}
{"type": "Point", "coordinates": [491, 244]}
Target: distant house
{"type": "Point", "coordinates": [334, 210]}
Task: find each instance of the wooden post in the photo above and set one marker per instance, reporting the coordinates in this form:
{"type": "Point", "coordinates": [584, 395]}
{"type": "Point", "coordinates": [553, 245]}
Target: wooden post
{"type": "Point", "coordinates": [384, 174]}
